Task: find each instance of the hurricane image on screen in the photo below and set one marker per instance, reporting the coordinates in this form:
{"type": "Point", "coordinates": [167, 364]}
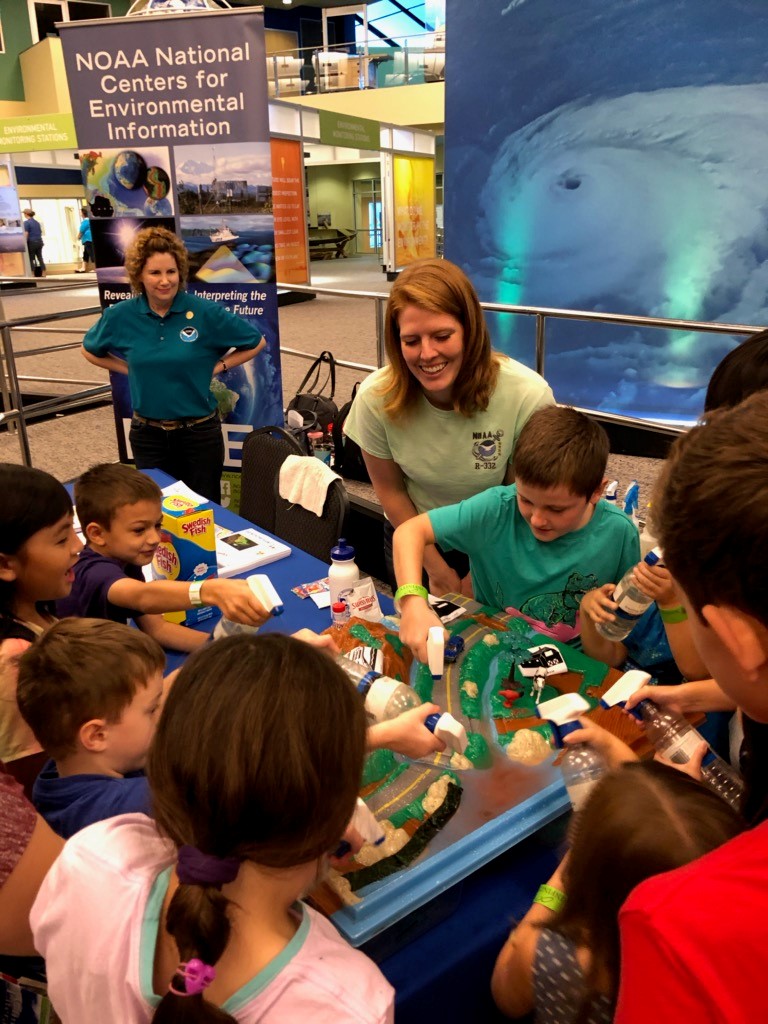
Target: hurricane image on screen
{"type": "Point", "coordinates": [611, 158]}
{"type": "Point", "coordinates": [642, 204]}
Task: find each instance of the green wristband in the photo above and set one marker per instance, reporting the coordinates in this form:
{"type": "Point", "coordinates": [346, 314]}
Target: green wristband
{"type": "Point", "coordinates": [408, 590]}
{"type": "Point", "coordinates": [673, 615]}
{"type": "Point", "coordinates": [550, 897]}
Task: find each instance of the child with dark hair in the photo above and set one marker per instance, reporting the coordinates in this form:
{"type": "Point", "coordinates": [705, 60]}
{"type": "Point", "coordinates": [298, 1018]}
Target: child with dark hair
{"type": "Point", "coordinates": [694, 941]}
{"type": "Point", "coordinates": [535, 547]}
{"type": "Point", "coordinates": [90, 690]}
{"type": "Point", "coordinates": [563, 957]}
{"type": "Point", "coordinates": [119, 510]}
{"type": "Point", "coordinates": [739, 374]}
{"type": "Point", "coordinates": [254, 771]}
{"type": "Point", "coordinates": [38, 552]}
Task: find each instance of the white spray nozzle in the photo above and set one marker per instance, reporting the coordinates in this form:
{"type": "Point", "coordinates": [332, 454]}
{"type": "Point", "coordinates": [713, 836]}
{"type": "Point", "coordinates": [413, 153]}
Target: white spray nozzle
{"type": "Point", "coordinates": [366, 824]}
{"type": "Point", "coordinates": [566, 708]}
{"type": "Point", "coordinates": [265, 593]}
{"type": "Point", "coordinates": [436, 651]}
{"type": "Point", "coordinates": [624, 687]}
{"type": "Point", "coordinates": [563, 714]}
{"type": "Point", "coordinates": [451, 732]}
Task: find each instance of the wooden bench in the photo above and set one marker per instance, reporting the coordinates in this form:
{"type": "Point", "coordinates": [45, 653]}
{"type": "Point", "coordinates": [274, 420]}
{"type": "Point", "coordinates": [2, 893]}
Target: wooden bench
{"type": "Point", "coordinates": [328, 243]}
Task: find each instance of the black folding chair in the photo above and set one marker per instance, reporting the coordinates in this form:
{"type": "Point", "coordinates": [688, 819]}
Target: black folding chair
{"type": "Point", "coordinates": [264, 451]}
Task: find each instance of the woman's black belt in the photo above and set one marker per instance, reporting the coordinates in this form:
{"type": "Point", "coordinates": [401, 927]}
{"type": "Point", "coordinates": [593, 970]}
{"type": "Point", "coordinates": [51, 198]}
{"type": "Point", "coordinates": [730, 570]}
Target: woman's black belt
{"type": "Point", "coordinates": [174, 424]}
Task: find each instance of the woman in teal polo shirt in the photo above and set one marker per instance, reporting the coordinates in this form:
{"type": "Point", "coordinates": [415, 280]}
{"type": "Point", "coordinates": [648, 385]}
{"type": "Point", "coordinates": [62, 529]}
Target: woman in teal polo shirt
{"type": "Point", "coordinates": [170, 344]}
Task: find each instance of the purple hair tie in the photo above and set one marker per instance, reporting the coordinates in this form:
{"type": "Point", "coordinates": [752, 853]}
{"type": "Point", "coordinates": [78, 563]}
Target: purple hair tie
{"type": "Point", "coordinates": [197, 977]}
{"type": "Point", "coordinates": [197, 868]}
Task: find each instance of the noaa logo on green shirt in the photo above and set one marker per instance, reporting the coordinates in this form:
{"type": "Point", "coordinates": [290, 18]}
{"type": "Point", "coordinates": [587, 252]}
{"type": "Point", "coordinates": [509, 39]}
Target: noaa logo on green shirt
{"type": "Point", "coordinates": [188, 334]}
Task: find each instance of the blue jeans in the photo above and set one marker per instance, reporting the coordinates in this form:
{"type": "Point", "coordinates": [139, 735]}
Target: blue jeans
{"type": "Point", "coordinates": [194, 454]}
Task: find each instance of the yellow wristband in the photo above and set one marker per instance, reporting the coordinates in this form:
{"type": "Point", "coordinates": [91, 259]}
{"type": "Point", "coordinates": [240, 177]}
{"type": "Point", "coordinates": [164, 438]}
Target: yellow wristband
{"type": "Point", "coordinates": [408, 590]}
{"type": "Point", "coordinates": [550, 897]}
{"type": "Point", "coordinates": [673, 615]}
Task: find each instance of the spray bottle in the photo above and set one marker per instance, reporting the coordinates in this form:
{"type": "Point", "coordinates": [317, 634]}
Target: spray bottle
{"type": "Point", "coordinates": [674, 737]}
{"type": "Point", "coordinates": [385, 699]}
{"type": "Point", "coordinates": [581, 766]}
{"type": "Point", "coordinates": [265, 593]}
{"type": "Point", "coordinates": [630, 600]}
{"type": "Point", "coordinates": [436, 651]}
{"type": "Point", "coordinates": [364, 822]}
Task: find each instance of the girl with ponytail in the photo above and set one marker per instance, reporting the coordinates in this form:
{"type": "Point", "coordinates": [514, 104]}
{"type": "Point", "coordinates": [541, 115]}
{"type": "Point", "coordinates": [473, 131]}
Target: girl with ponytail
{"type": "Point", "coordinates": [195, 917]}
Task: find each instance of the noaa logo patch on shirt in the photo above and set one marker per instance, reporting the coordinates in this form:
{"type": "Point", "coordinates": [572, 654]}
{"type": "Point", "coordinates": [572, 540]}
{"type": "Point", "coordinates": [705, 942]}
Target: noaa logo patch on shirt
{"type": "Point", "coordinates": [188, 334]}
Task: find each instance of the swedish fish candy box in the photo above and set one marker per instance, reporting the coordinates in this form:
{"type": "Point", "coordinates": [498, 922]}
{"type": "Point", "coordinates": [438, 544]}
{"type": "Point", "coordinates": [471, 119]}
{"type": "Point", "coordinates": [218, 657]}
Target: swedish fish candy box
{"type": "Point", "coordinates": [187, 550]}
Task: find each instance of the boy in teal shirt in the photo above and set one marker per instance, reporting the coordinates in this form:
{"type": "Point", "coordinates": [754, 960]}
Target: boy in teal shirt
{"type": "Point", "coordinates": [536, 547]}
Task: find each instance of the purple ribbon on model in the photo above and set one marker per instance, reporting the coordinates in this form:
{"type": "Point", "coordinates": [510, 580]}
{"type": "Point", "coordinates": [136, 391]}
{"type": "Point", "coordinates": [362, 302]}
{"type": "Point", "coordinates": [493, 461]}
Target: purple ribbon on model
{"type": "Point", "coordinates": [197, 868]}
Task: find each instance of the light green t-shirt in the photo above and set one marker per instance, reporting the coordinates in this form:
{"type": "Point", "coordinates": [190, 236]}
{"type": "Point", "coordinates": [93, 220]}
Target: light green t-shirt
{"type": "Point", "coordinates": [446, 457]}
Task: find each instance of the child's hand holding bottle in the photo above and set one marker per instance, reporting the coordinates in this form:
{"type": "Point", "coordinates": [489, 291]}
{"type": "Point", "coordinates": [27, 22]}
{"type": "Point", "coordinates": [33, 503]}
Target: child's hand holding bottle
{"type": "Point", "coordinates": [236, 601]}
{"type": "Point", "coordinates": [416, 620]}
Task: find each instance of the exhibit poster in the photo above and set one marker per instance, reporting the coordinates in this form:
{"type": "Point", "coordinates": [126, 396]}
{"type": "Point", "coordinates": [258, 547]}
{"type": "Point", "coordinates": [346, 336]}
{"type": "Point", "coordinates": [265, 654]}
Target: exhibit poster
{"type": "Point", "coordinates": [414, 187]}
{"type": "Point", "coordinates": [13, 241]}
{"type": "Point", "coordinates": [611, 158]}
{"type": "Point", "coordinates": [288, 211]}
{"type": "Point", "coordinates": [173, 129]}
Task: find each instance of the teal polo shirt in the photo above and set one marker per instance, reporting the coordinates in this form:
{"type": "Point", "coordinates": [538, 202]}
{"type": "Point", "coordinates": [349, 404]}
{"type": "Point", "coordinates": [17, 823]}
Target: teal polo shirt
{"type": "Point", "coordinates": [170, 358]}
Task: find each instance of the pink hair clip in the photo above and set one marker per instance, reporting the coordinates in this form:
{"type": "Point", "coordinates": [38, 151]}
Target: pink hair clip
{"type": "Point", "coordinates": [197, 977]}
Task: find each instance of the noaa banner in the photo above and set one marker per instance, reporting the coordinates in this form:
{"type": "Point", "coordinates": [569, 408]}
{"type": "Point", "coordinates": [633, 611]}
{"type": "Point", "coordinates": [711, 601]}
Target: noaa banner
{"type": "Point", "coordinates": [611, 157]}
{"type": "Point", "coordinates": [172, 122]}
{"type": "Point", "coordinates": [414, 184]}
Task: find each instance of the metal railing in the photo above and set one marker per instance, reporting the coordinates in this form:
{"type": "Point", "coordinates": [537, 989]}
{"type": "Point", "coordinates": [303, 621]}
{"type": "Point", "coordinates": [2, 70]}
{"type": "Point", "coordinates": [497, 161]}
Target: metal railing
{"type": "Point", "coordinates": [401, 60]}
{"type": "Point", "coordinates": [541, 314]}
{"type": "Point", "coordinates": [14, 415]}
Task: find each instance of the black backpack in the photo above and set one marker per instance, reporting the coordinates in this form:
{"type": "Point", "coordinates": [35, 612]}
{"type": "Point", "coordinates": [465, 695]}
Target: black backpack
{"type": "Point", "coordinates": [314, 400]}
{"type": "Point", "coordinates": [348, 457]}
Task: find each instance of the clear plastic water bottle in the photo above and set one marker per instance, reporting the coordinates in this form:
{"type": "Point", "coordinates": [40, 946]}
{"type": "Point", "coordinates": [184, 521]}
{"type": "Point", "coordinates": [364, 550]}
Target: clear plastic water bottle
{"type": "Point", "coordinates": [631, 601]}
{"type": "Point", "coordinates": [581, 766]}
{"type": "Point", "coordinates": [677, 740]}
{"type": "Point", "coordinates": [386, 698]}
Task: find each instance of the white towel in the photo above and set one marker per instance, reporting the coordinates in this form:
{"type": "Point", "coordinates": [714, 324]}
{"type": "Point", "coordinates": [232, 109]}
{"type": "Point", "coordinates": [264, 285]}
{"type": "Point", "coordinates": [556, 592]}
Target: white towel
{"type": "Point", "coordinates": [304, 480]}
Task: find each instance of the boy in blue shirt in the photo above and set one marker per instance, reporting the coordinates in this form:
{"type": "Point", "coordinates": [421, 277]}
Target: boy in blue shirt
{"type": "Point", "coordinates": [536, 547]}
{"type": "Point", "coordinates": [119, 510]}
{"type": "Point", "coordinates": [91, 692]}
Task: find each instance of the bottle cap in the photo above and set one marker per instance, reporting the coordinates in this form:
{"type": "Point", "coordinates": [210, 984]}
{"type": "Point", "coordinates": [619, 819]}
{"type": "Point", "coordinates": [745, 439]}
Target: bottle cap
{"type": "Point", "coordinates": [379, 696]}
{"type": "Point", "coordinates": [654, 557]}
{"type": "Point", "coordinates": [315, 435]}
{"type": "Point", "coordinates": [338, 607]}
{"type": "Point", "coordinates": [343, 552]}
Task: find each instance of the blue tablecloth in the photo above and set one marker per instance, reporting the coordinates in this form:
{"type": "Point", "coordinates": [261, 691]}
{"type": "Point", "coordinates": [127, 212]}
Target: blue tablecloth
{"type": "Point", "coordinates": [298, 567]}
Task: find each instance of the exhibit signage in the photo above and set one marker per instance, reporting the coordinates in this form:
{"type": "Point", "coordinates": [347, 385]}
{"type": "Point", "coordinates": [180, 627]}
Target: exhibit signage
{"type": "Point", "coordinates": [414, 187]}
{"type": "Point", "coordinates": [288, 210]}
{"type": "Point", "coordinates": [349, 131]}
{"type": "Point", "coordinates": [36, 132]}
{"type": "Point", "coordinates": [174, 131]}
